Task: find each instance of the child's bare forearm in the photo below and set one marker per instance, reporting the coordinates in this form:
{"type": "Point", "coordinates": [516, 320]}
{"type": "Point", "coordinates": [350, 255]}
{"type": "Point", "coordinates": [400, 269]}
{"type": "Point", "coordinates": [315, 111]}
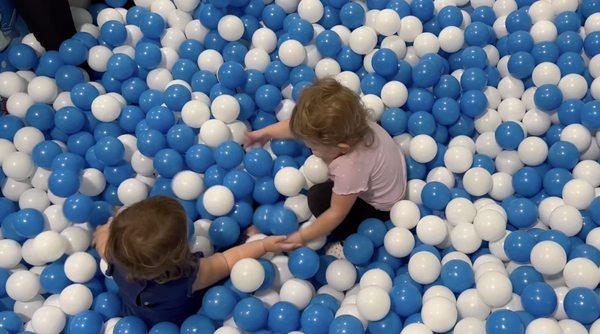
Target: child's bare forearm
{"type": "Point", "coordinates": [254, 249]}
{"type": "Point", "coordinates": [324, 225]}
{"type": "Point", "coordinates": [279, 130]}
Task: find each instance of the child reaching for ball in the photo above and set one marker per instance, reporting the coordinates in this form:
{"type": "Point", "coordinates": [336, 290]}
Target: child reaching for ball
{"type": "Point", "coordinates": [159, 279]}
{"type": "Point", "coordinates": [366, 168]}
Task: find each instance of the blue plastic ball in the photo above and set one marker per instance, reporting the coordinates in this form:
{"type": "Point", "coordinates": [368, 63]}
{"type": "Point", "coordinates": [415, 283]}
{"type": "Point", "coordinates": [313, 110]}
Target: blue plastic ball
{"type": "Point", "coordinates": [250, 314]}
{"type": "Point", "coordinates": [358, 249]}
{"type": "Point", "coordinates": [282, 221]}
{"type": "Point", "coordinates": [229, 155]}
{"type": "Point", "coordinates": [509, 135]}
{"type": "Point", "coordinates": [303, 263]}
{"type": "Point", "coordinates": [113, 33]}
{"type": "Point", "coordinates": [130, 325]}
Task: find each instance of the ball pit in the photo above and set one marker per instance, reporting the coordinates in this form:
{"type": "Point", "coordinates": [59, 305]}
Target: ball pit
{"type": "Point", "coordinates": [492, 102]}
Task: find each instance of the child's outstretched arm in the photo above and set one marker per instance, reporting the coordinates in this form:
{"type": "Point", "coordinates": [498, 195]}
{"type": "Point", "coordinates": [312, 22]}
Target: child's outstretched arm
{"type": "Point", "coordinates": [325, 223]}
{"type": "Point", "coordinates": [279, 130]}
{"type": "Point", "coordinates": [218, 266]}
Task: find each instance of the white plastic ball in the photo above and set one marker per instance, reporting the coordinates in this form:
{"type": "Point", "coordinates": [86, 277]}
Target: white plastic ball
{"type": "Point", "coordinates": [376, 277]}
{"type": "Point", "coordinates": [224, 108]}
{"type": "Point", "coordinates": [373, 303]}
{"type": "Point", "coordinates": [533, 151]}
{"type": "Point", "coordinates": [363, 40]}
{"type": "Point", "coordinates": [80, 267]}
{"type": "Point", "coordinates": [340, 275]}
{"type": "Point", "coordinates": [469, 326]}
{"type": "Point", "coordinates": [315, 170]}
{"type": "Point", "coordinates": [22, 285]}
{"type": "Point", "coordinates": [494, 288]}
{"type": "Point", "coordinates": [218, 200]}
{"type": "Point", "coordinates": [256, 59]}
{"type": "Point", "coordinates": [548, 257]}
{"type": "Point", "coordinates": [18, 104]}
{"type": "Point", "coordinates": [326, 68]}
{"type": "Point", "coordinates": [210, 60]}
{"type": "Point", "coordinates": [464, 238]}
{"type": "Point", "coordinates": [387, 22]}
{"type": "Point", "coordinates": [187, 185]}
{"type": "Point", "coordinates": [486, 144]}
{"type": "Point", "coordinates": [93, 182]}
{"type": "Point", "coordinates": [588, 170]}
{"type": "Point", "coordinates": [394, 94]}
{"type": "Point", "coordinates": [424, 267]}
{"type": "Point", "coordinates": [546, 73]}
{"type": "Point", "coordinates": [543, 325]}
{"type": "Point", "coordinates": [195, 113]}
{"type": "Point", "coordinates": [469, 304]}
{"type": "Point", "coordinates": [439, 314]}
{"type": "Point", "coordinates": [432, 230]}
{"type": "Point", "coordinates": [106, 108]}
{"type": "Point", "coordinates": [374, 106]}
{"type": "Point", "coordinates": [292, 53]}
{"type": "Point", "coordinates": [299, 205]}
{"type": "Point", "coordinates": [49, 246]}
{"type": "Point", "coordinates": [536, 122]}
{"type": "Point", "coordinates": [573, 86]}
{"type": "Point", "coordinates": [34, 199]}
{"type": "Point", "coordinates": [477, 181]}
{"type": "Point", "coordinates": [264, 38]}
{"type": "Point", "coordinates": [411, 27]}
{"type": "Point", "coordinates": [231, 28]}
{"type": "Point", "coordinates": [423, 148]}
{"type": "Point", "coordinates": [11, 83]}
{"type": "Point", "coordinates": [578, 193]}
{"type": "Point", "coordinates": [405, 214]}
{"type": "Point", "coordinates": [451, 39]}
{"type": "Point", "coordinates": [458, 159]}
{"type": "Point", "coordinates": [247, 275]}
{"type": "Point", "coordinates": [460, 210]}
{"type": "Point", "coordinates": [490, 225]}
{"type": "Point", "coordinates": [569, 326]}
{"type": "Point", "coordinates": [132, 191]}
{"type": "Point", "coordinates": [6, 148]}
{"type": "Point", "coordinates": [567, 219]}
{"type": "Point", "coordinates": [399, 242]}
{"type": "Point", "coordinates": [18, 166]}
{"type": "Point", "coordinates": [311, 10]}
{"type": "Point", "coordinates": [426, 43]}
{"type": "Point", "coordinates": [48, 320]}
{"type": "Point", "coordinates": [578, 135]}
{"type": "Point", "coordinates": [581, 273]}
{"type": "Point", "coordinates": [27, 309]}
{"type": "Point", "coordinates": [75, 298]}
{"type": "Point", "coordinates": [214, 132]}
{"type": "Point", "coordinates": [296, 291]}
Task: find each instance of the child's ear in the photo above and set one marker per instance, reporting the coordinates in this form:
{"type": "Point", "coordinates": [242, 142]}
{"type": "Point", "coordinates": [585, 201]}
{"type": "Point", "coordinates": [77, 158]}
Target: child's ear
{"type": "Point", "coordinates": [345, 148]}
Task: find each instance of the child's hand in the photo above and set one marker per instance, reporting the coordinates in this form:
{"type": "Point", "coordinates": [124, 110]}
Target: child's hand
{"type": "Point", "coordinates": [101, 237]}
{"type": "Point", "coordinates": [255, 137]}
{"type": "Point", "coordinates": [273, 243]}
{"type": "Point", "coordinates": [292, 242]}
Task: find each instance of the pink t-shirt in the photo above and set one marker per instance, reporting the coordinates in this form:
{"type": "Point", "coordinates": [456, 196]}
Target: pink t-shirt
{"type": "Point", "coordinates": [376, 173]}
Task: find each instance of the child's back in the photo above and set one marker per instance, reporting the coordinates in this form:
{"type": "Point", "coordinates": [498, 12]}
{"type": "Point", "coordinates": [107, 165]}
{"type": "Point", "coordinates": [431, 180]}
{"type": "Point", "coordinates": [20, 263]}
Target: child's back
{"type": "Point", "coordinates": [159, 279]}
{"type": "Point", "coordinates": [376, 172]}
{"type": "Point", "coordinates": [150, 260]}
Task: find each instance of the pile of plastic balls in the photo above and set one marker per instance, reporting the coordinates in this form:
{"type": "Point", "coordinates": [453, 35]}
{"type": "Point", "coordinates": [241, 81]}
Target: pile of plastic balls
{"type": "Point", "coordinates": [494, 103]}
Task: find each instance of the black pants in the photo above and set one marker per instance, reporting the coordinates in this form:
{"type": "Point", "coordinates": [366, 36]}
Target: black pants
{"type": "Point", "coordinates": [49, 20]}
{"type": "Point", "coordinates": [319, 200]}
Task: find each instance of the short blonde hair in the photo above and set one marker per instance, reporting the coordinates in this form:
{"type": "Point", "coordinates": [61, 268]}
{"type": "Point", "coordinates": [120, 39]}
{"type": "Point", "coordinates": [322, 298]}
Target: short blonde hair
{"type": "Point", "coordinates": [329, 113]}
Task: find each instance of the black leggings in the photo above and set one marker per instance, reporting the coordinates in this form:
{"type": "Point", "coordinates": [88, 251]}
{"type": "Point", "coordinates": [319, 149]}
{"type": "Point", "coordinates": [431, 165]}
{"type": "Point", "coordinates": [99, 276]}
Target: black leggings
{"type": "Point", "coordinates": [319, 200]}
{"type": "Point", "coordinates": [49, 20]}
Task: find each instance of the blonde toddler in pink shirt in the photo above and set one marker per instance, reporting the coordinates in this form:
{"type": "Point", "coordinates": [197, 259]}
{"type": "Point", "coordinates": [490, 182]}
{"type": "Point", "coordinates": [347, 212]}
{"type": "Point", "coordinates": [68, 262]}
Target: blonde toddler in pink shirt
{"type": "Point", "coordinates": [367, 169]}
